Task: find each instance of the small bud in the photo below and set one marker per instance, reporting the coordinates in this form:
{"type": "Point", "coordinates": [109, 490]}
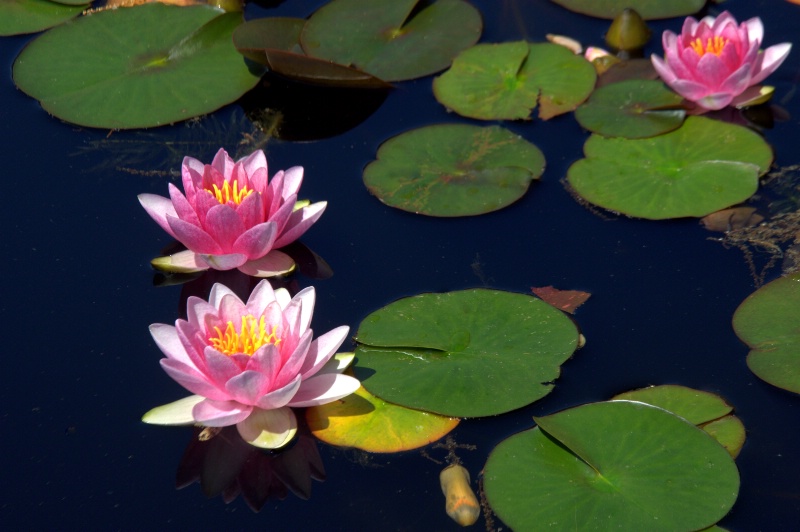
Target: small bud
{"type": "Point", "coordinates": [460, 501]}
{"type": "Point", "coordinates": [628, 31]}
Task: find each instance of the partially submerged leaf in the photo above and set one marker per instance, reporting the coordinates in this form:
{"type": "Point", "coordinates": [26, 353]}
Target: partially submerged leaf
{"type": "Point", "coordinates": [566, 300]}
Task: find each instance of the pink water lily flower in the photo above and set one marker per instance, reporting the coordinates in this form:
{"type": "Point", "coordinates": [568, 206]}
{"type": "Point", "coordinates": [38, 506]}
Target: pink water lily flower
{"type": "Point", "coordinates": [714, 61]}
{"type": "Point", "coordinates": [232, 215]}
{"type": "Point", "coordinates": [249, 363]}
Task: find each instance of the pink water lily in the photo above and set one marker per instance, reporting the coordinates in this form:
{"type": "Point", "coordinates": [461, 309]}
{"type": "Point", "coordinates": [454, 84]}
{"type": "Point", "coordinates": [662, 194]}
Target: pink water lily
{"type": "Point", "coordinates": [714, 61]}
{"type": "Point", "coordinates": [232, 215]}
{"type": "Point", "coordinates": [249, 363]}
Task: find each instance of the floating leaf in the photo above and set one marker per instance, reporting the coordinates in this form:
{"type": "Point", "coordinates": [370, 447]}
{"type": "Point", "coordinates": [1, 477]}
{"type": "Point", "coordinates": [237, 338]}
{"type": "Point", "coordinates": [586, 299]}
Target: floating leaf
{"type": "Point", "coordinates": [732, 219]}
{"type": "Point", "coordinates": [366, 422]}
{"type": "Point", "coordinates": [29, 16]}
{"type": "Point", "coordinates": [648, 9]}
{"type": "Point", "coordinates": [729, 431]}
{"type": "Point", "coordinates": [618, 464]}
{"type": "Point", "coordinates": [767, 321]}
{"type": "Point", "coordinates": [100, 72]}
{"type": "Point", "coordinates": [566, 300]}
{"type": "Point", "coordinates": [468, 353]}
{"type": "Point", "coordinates": [379, 37]}
{"type": "Point", "coordinates": [453, 170]}
{"type": "Point", "coordinates": [506, 81]}
{"type": "Point", "coordinates": [631, 109]}
{"type": "Point", "coordinates": [699, 168]}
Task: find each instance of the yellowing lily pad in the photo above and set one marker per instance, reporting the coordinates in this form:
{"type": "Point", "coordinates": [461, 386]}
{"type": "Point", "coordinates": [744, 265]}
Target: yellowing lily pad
{"type": "Point", "coordinates": [648, 9]}
{"type": "Point", "coordinates": [29, 16]}
{"type": "Point", "coordinates": [615, 465]}
{"type": "Point", "coordinates": [453, 170]}
{"type": "Point", "coordinates": [390, 39]}
{"type": "Point", "coordinates": [701, 167]}
{"type": "Point", "coordinates": [366, 422]}
{"type": "Point", "coordinates": [467, 354]}
{"type": "Point", "coordinates": [768, 321]}
{"type": "Point", "coordinates": [506, 81]}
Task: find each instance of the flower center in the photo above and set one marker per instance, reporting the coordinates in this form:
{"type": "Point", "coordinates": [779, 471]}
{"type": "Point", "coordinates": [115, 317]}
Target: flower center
{"type": "Point", "coordinates": [251, 335]}
{"type": "Point", "coordinates": [230, 193]}
{"type": "Point", "coordinates": [713, 45]}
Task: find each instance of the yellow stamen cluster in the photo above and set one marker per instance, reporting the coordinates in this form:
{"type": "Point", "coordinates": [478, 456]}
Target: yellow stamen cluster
{"type": "Point", "coordinates": [230, 193]}
{"type": "Point", "coordinates": [713, 45]}
{"type": "Point", "coordinates": [251, 335]}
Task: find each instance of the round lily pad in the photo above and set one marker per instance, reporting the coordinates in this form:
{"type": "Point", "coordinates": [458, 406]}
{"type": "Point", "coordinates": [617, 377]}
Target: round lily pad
{"type": "Point", "coordinates": [29, 16]}
{"type": "Point", "coordinates": [701, 167]}
{"type": "Point", "coordinates": [453, 170]}
{"type": "Point", "coordinates": [648, 9]}
{"type": "Point", "coordinates": [464, 354]}
{"type": "Point", "coordinates": [366, 422]}
{"type": "Point", "coordinates": [632, 109]}
{"type": "Point", "coordinates": [100, 72]}
{"type": "Point", "coordinates": [506, 81]}
{"type": "Point", "coordinates": [390, 39]}
{"type": "Point", "coordinates": [767, 321]}
{"type": "Point", "coordinates": [615, 465]}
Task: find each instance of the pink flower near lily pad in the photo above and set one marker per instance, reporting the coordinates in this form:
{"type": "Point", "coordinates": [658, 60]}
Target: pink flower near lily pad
{"type": "Point", "coordinates": [231, 215]}
{"type": "Point", "coordinates": [716, 62]}
{"type": "Point", "coordinates": [248, 364]}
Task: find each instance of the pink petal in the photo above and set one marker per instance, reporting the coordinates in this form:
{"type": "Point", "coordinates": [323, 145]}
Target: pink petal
{"type": "Point", "coordinates": [663, 69]}
{"type": "Point", "coordinates": [223, 163]}
{"type": "Point", "coordinates": [302, 306]}
{"type": "Point", "coordinates": [224, 226]}
{"type": "Point", "coordinates": [322, 349]}
{"type": "Point", "coordinates": [292, 179]}
{"type": "Point", "coordinates": [248, 386]}
{"type": "Point", "coordinates": [299, 222]}
{"type": "Point", "coordinates": [192, 380]}
{"type": "Point", "coordinates": [220, 413]}
{"type": "Point", "coordinates": [261, 296]}
{"type": "Point", "coordinates": [272, 264]}
{"type": "Point", "coordinates": [673, 64]}
{"type": "Point", "coordinates": [254, 161]}
{"type": "Point", "coordinates": [256, 241]}
{"type": "Point", "coordinates": [715, 101]}
{"type": "Point", "coordinates": [250, 210]}
{"type": "Point", "coordinates": [737, 81]}
{"type": "Point", "coordinates": [711, 71]}
{"type": "Point", "coordinates": [291, 366]}
{"type": "Point", "coordinates": [769, 60]}
{"type": "Point", "coordinates": [158, 207]}
{"type": "Point", "coordinates": [196, 311]}
{"type": "Point", "coordinates": [266, 360]}
{"type": "Point", "coordinates": [182, 207]}
{"type": "Point", "coordinates": [224, 262]}
{"type": "Point", "coordinates": [279, 397]}
{"type": "Point", "coordinates": [218, 292]}
{"type": "Point", "coordinates": [323, 389]}
{"type": "Point", "coordinates": [690, 90]}
{"type": "Point", "coordinates": [220, 368]}
{"type": "Point", "coordinates": [755, 29]}
{"type": "Point", "coordinates": [193, 237]}
{"type": "Point", "coordinates": [192, 175]}
{"type": "Point", "coordinates": [231, 309]}
{"type": "Point", "coordinates": [168, 341]}
{"type": "Point", "coordinates": [193, 343]}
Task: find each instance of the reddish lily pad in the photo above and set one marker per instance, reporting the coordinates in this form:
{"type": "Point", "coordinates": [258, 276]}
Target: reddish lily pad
{"type": "Point", "coordinates": [453, 170]}
{"type": "Point", "coordinates": [29, 16]}
{"type": "Point", "coordinates": [648, 9]}
{"type": "Point", "coordinates": [566, 300]}
{"type": "Point", "coordinates": [506, 81]}
{"type": "Point", "coordinates": [378, 36]}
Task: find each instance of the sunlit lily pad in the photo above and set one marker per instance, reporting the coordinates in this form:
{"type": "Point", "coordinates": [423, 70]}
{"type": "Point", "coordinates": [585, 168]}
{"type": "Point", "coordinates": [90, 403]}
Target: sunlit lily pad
{"type": "Point", "coordinates": [648, 9]}
{"type": "Point", "coordinates": [453, 170]}
{"type": "Point", "coordinates": [631, 109]}
{"type": "Point", "coordinates": [379, 37]}
{"type": "Point", "coordinates": [366, 422]}
{"type": "Point", "coordinates": [29, 16]}
{"type": "Point", "coordinates": [506, 81]}
{"type": "Point", "coordinates": [100, 72]}
{"type": "Point", "coordinates": [468, 353]}
{"type": "Point", "coordinates": [769, 322]}
{"type": "Point", "coordinates": [615, 465]}
{"type": "Point", "coordinates": [701, 167]}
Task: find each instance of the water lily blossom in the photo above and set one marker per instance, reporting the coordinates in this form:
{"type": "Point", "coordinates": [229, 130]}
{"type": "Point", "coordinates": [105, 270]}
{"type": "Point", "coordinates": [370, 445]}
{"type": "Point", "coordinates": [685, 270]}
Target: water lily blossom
{"type": "Point", "coordinates": [249, 363]}
{"type": "Point", "coordinates": [714, 61]}
{"type": "Point", "coordinates": [231, 215]}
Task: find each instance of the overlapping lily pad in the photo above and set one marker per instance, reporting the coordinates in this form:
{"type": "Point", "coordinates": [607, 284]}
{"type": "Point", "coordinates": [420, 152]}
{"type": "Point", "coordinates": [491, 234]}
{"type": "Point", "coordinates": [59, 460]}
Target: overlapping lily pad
{"type": "Point", "coordinates": [453, 170]}
{"type": "Point", "coordinates": [464, 354]}
{"type": "Point", "coordinates": [632, 109]}
{"type": "Point", "coordinates": [613, 465]}
{"type": "Point", "coordinates": [701, 167]}
{"type": "Point", "coordinates": [100, 72]}
{"type": "Point", "coordinates": [768, 321]}
{"type": "Point", "coordinates": [648, 9]}
{"type": "Point", "coordinates": [506, 81]}
{"type": "Point", "coordinates": [389, 38]}
{"type": "Point", "coordinates": [29, 16]}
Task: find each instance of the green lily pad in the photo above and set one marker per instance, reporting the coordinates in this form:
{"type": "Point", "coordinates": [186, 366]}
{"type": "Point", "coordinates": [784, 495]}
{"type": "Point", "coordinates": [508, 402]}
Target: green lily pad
{"type": "Point", "coordinates": [464, 354]}
{"type": "Point", "coordinates": [767, 321]}
{"type": "Point", "coordinates": [100, 72]}
{"type": "Point", "coordinates": [648, 9]}
{"type": "Point", "coordinates": [377, 36]}
{"type": "Point", "coordinates": [506, 81]}
{"type": "Point", "coordinates": [632, 109]}
{"type": "Point", "coordinates": [366, 422]}
{"type": "Point", "coordinates": [728, 431]}
{"type": "Point", "coordinates": [453, 170]}
{"type": "Point", "coordinates": [29, 16]}
{"type": "Point", "coordinates": [701, 167]}
{"type": "Point", "coordinates": [615, 465]}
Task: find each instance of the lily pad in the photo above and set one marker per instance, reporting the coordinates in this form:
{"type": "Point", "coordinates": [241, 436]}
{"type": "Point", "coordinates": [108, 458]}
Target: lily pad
{"type": "Point", "coordinates": [506, 81]}
{"type": "Point", "coordinates": [701, 167]}
{"type": "Point", "coordinates": [29, 16]}
{"type": "Point", "coordinates": [464, 354]}
{"type": "Point", "coordinates": [366, 422]}
{"type": "Point", "coordinates": [767, 321]}
{"type": "Point", "coordinates": [382, 37]}
{"type": "Point", "coordinates": [648, 9]}
{"type": "Point", "coordinates": [453, 170]}
{"type": "Point", "coordinates": [613, 465]}
{"type": "Point", "coordinates": [632, 109]}
{"type": "Point", "coordinates": [100, 72]}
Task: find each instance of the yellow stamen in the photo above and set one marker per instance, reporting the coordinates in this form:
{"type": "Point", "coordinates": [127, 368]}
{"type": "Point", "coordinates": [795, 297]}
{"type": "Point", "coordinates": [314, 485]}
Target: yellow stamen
{"type": "Point", "coordinates": [714, 45]}
{"type": "Point", "coordinates": [251, 335]}
{"type": "Point", "coordinates": [230, 193]}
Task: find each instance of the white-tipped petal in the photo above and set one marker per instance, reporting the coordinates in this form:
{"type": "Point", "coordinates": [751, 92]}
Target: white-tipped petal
{"type": "Point", "coordinates": [176, 413]}
{"type": "Point", "coordinates": [268, 429]}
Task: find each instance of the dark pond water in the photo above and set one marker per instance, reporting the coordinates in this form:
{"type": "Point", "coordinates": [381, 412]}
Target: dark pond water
{"type": "Point", "coordinates": [78, 296]}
